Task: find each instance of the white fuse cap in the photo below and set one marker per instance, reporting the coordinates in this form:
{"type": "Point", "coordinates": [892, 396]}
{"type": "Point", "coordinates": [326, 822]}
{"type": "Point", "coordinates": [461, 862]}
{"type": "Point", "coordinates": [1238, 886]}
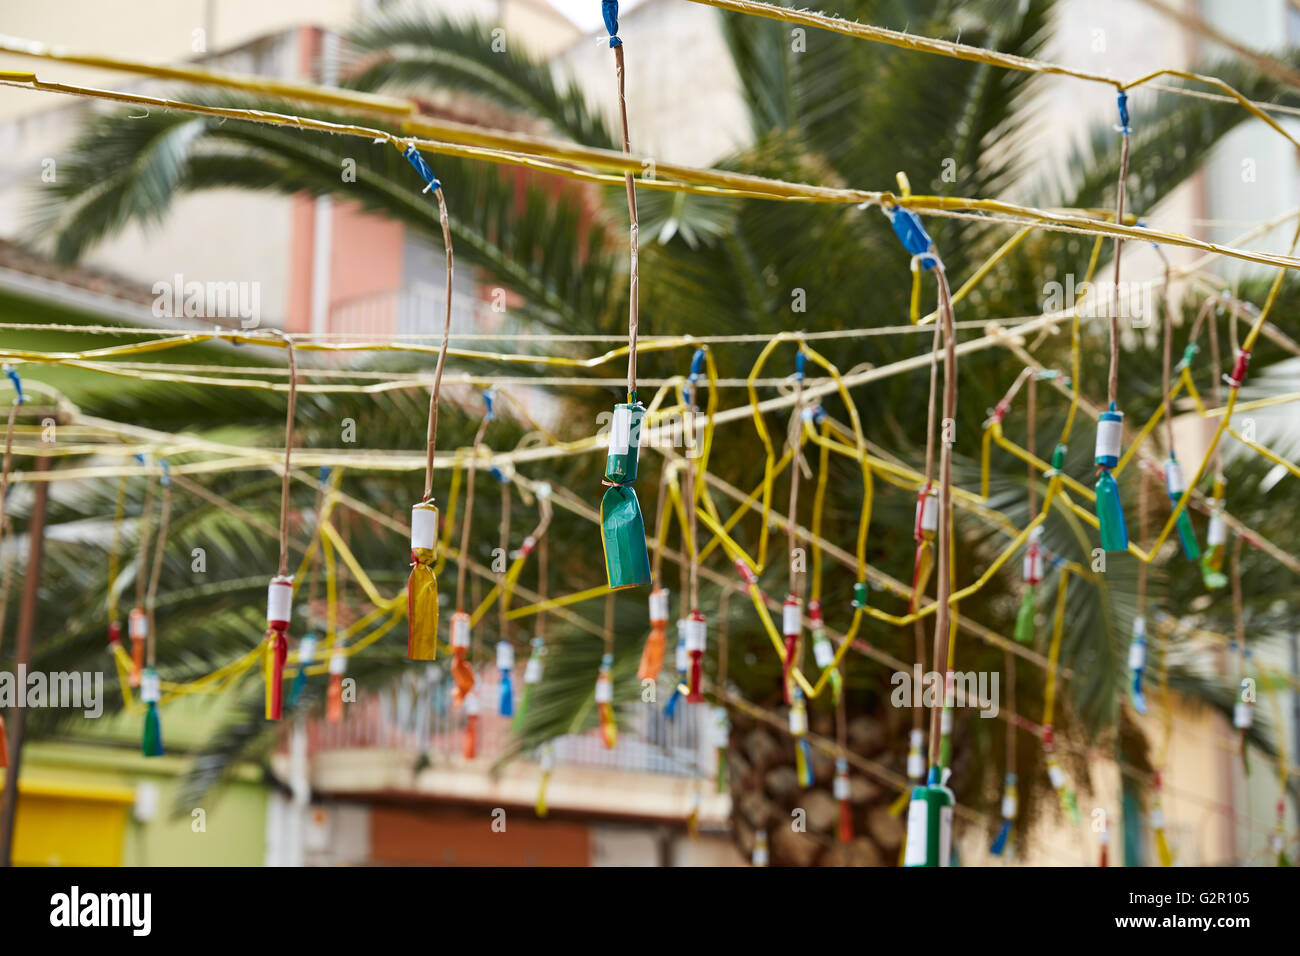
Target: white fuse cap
{"type": "Point", "coordinates": [505, 656]}
{"type": "Point", "coordinates": [1242, 715]}
{"type": "Point", "coordinates": [533, 669]}
{"type": "Point", "coordinates": [697, 635]}
{"type": "Point", "coordinates": [823, 652]}
{"type": "Point", "coordinates": [604, 690]}
{"type": "Point", "coordinates": [659, 605]}
{"type": "Point", "coordinates": [1009, 806]}
{"type": "Point", "coordinates": [680, 657]}
{"type": "Point", "coordinates": [1110, 434]}
{"type": "Point", "coordinates": [620, 431]}
{"type": "Point", "coordinates": [1056, 775]}
{"type": "Point", "coordinates": [1137, 656]}
{"type": "Point", "coordinates": [279, 600]}
{"type": "Point", "coordinates": [471, 703]}
{"type": "Point", "coordinates": [1174, 478]}
{"type": "Point", "coordinates": [150, 686]}
{"type": "Point", "coordinates": [424, 526]}
{"type": "Point", "coordinates": [1217, 533]}
{"type": "Point", "coordinates": [306, 650]}
{"type": "Point", "coordinates": [798, 721]}
{"type": "Point", "coordinates": [338, 663]}
{"type": "Point", "coordinates": [460, 630]}
{"type": "Point", "coordinates": [927, 510]}
{"type": "Point", "coordinates": [138, 626]}
{"type": "Point", "coordinates": [840, 789]}
{"type": "Point", "coordinates": [791, 619]}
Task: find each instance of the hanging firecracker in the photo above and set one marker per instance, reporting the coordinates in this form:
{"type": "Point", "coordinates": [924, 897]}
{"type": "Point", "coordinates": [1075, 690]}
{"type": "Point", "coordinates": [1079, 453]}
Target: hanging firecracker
{"type": "Point", "coordinates": [1056, 775]}
{"type": "Point", "coordinates": [279, 612]}
{"type": "Point", "coordinates": [334, 694]}
{"type": "Point", "coordinates": [799, 731]}
{"type": "Point", "coordinates": [1163, 851]}
{"type": "Point", "coordinates": [791, 628]}
{"type": "Point", "coordinates": [1110, 513]}
{"type": "Point", "coordinates": [422, 585]}
{"type": "Point", "coordinates": [150, 694]}
{"type": "Point", "coordinates": [929, 824]}
{"type": "Point", "coordinates": [506, 665]}
{"type": "Point", "coordinates": [652, 656]}
{"type": "Point", "coordinates": [605, 702]}
{"type": "Point", "coordinates": [1216, 538]}
{"type": "Point", "coordinates": [1243, 711]}
{"type": "Point", "coordinates": [721, 740]}
{"type": "Point", "coordinates": [842, 791]}
{"type": "Point", "coordinates": [823, 649]}
{"type": "Point", "coordinates": [532, 677]}
{"type": "Point", "coordinates": [138, 628]}
{"type": "Point", "coordinates": [1010, 807]}
{"type": "Point", "coordinates": [547, 767]}
{"type": "Point", "coordinates": [471, 708]}
{"type": "Point", "coordinates": [306, 657]}
{"type": "Point", "coordinates": [682, 661]}
{"type": "Point", "coordinates": [916, 756]}
{"type": "Point", "coordinates": [1033, 575]}
{"type": "Point", "coordinates": [462, 674]}
{"type": "Point", "coordinates": [1177, 487]}
{"type": "Point", "coordinates": [924, 531]}
{"type": "Point", "coordinates": [1137, 662]}
{"type": "Point", "coordinates": [627, 562]}
{"type": "Point", "coordinates": [1103, 841]}
{"type": "Point", "coordinates": [760, 855]}
{"type": "Point", "coordinates": [696, 643]}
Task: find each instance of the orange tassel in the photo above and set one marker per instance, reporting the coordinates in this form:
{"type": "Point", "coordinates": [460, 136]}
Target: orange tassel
{"type": "Point", "coordinates": [471, 726]}
{"type": "Point", "coordinates": [334, 694]}
{"type": "Point", "coordinates": [652, 656]}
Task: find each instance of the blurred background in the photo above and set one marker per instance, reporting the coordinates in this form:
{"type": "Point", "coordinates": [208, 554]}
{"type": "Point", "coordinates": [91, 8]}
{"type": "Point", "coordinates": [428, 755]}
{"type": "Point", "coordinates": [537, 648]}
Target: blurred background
{"type": "Point", "coordinates": [387, 785]}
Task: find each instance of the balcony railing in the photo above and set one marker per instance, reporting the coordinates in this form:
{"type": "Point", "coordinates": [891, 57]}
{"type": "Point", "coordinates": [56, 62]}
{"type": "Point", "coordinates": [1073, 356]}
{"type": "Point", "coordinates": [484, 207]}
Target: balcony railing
{"type": "Point", "coordinates": [417, 715]}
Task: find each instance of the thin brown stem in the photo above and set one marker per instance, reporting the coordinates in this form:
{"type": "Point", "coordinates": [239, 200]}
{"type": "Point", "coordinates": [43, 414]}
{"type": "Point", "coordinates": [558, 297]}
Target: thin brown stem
{"type": "Point", "coordinates": [633, 308]}
{"type": "Point", "coordinates": [431, 436]}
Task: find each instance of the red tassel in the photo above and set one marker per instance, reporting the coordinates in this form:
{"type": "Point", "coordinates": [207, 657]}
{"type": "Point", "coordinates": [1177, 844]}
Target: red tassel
{"type": "Point", "coordinates": [791, 625]}
{"type": "Point", "coordinates": [695, 641]}
{"type": "Point", "coordinates": [139, 629]}
{"type": "Point", "coordinates": [277, 651]}
{"type": "Point", "coordinates": [846, 822]}
{"type": "Point", "coordinates": [4, 744]}
{"type": "Point", "coordinates": [114, 634]}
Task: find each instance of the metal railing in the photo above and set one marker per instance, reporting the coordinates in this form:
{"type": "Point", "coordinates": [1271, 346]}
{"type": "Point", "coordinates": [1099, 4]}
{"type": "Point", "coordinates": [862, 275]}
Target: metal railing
{"type": "Point", "coordinates": [417, 715]}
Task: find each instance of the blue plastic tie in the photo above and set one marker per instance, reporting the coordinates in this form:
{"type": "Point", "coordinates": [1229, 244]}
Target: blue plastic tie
{"type": "Point", "coordinates": [498, 474]}
{"type": "Point", "coordinates": [800, 360]}
{"type": "Point", "coordinates": [609, 10]}
{"type": "Point", "coordinates": [416, 159]}
{"type": "Point", "coordinates": [18, 384]}
{"type": "Point", "coordinates": [697, 364]}
{"type": "Point", "coordinates": [166, 478]}
{"type": "Point", "coordinates": [324, 474]}
{"type": "Point", "coordinates": [487, 400]}
{"type": "Point", "coordinates": [911, 233]}
{"type": "Point", "coordinates": [1122, 102]}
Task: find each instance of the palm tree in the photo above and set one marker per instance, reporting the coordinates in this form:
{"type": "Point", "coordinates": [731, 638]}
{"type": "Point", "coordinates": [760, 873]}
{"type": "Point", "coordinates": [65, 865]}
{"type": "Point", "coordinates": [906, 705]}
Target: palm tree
{"type": "Point", "coordinates": [843, 112]}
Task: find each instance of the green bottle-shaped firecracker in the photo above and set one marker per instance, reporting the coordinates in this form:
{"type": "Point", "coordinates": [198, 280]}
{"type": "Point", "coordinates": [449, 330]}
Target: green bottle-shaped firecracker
{"type": "Point", "coordinates": [929, 824]}
{"type": "Point", "coordinates": [627, 563]}
{"type": "Point", "coordinates": [1110, 513]}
